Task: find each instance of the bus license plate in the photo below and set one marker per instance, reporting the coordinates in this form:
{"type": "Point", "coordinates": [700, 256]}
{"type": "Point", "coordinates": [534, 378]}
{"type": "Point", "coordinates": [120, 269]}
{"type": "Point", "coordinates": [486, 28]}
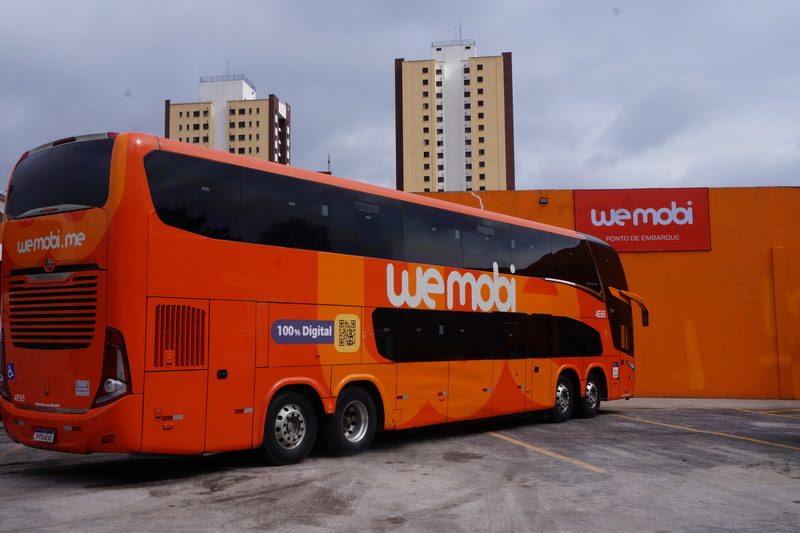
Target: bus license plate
{"type": "Point", "coordinates": [44, 435]}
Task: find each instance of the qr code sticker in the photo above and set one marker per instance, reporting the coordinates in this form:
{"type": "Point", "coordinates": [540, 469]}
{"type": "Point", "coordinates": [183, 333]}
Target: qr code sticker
{"type": "Point", "coordinates": [348, 333]}
{"type": "Point", "coordinates": [348, 329]}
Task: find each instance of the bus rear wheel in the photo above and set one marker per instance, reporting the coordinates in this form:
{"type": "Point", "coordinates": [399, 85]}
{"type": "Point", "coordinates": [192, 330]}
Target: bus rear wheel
{"type": "Point", "coordinates": [589, 405]}
{"type": "Point", "coordinates": [351, 428]}
{"type": "Point", "coordinates": [565, 400]}
{"type": "Point", "coordinates": [290, 429]}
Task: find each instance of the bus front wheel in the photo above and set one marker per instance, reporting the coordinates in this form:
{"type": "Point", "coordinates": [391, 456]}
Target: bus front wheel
{"type": "Point", "coordinates": [351, 428]}
{"type": "Point", "coordinates": [565, 400]}
{"type": "Point", "coordinates": [589, 405]}
{"type": "Point", "coordinates": [290, 429]}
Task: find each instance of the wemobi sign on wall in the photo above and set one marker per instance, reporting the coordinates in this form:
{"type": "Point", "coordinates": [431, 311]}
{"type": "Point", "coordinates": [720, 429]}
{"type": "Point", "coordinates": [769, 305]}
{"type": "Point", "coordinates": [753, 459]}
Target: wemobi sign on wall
{"type": "Point", "coordinates": [646, 220]}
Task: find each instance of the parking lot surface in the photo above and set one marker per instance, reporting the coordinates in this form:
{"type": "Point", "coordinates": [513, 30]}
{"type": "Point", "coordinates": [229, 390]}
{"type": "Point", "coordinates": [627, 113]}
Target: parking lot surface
{"type": "Point", "coordinates": [642, 465]}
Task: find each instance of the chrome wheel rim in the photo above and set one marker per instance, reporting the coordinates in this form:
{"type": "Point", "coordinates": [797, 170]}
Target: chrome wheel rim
{"type": "Point", "coordinates": [562, 398]}
{"type": "Point", "coordinates": [355, 421]}
{"type": "Point", "coordinates": [592, 395]}
{"type": "Point", "coordinates": [290, 426]}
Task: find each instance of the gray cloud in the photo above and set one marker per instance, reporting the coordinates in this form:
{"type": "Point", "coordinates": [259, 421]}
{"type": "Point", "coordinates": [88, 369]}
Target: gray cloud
{"type": "Point", "coordinates": [623, 94]}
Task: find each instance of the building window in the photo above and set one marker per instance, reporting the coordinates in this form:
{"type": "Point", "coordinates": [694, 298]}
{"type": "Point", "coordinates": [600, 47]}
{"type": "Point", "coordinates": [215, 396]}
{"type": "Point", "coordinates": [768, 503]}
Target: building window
{"type": "Point", "coordinates": [440, 131]}
{"type": "Point", "coordinates": [196, 113]}
{"type": "Point", "coordinates": [195, 126]}
{"type": "Point", "coordinates": [426, 130]}
{"type": "Point", "coordinates": [427, 189]}
{"type": "Point", "coordinates": [426, 166]}
{"type": "Point", "coordinates": [205, 113]}
{"type": "Point", "coordinates": [439, 107]}
{"type": "Point", "coordinates": [467, 117]}
{"type": "Point", "coordinates": [466, 82]}
{"type": "Point", "coordinates": [426, 154]}
{"type": "Point", "coordinates": [440, 179]}
{"type": "Point", "coordinates": [482, 164]}
{"type": "Point", "coordinates": [196, 140]}
{"type": "Point", "coordinates": [426, 178]}
{"type": "Point", "coordinates": [439, 83]}
{"type": "Point", "coordinates": [231, 124]}
{"type": "Point", "coordinates": [241, 124]}
{"type": "Point", "coordinates": [425, 82]}
{"type": "Point", "coordinates": [241, 137]}
{"type": "Point", "coordinates": [241, 111]}
{"type": "Point", "coordinates": [467, 154]}
{"type": "Point", "coordinates": [425, 106]}
{"type": "Point", "coordinates": [438, 70]}
{"type": "Point", "coordinates": [258, 150]}
{"type": "Point", "coordinates": [440, 167]}
{"type": "Point", "coordinates": [480, 79]}
{"type": "Point", "coordinates": [468, 166]}
{"type": "Point", "coordinates": [258, 136]}
{"type": "Point", "coordinates": [231, 137]}
{"type": "Point", "coordinates": [425, 118]}
{"type": "Point", "coordinates": [439, 143]}
{"type": "Point", "coordinates": [249, 110]}
{"type": "Point", "coordinates": [232, 150]}
{"type": "Point", "coordinates": [480, 115]}
{"type": "Point", "coordinates": [467, 130]}
{"type": "Point", "coordinates": [250, 150]}
{"type": "Point", "coordinates": [466, 94]}
{"type": "Point", "coordinates": [480, 91]}
{"type": "Point", "coordinates": [424, 94]}
{"type": "Point", "coordinates": [439, 95]}
{"type": "Point", "coordinates": [205, 138]}
{"type": "Point", "coordinates": [440, 155]}
{"type": "Point", "coordinates": [482, 188]}
{"type": "Point", "coordinates": [426, 142]}
{"type": "Point", "coordinates": [467, 141]}
{"type": "Point", "coordinates": [232, 112]}
{"type": "Point", "coordinates": [469, 178]}
{"type": "Point", "coordinates": [424, 70]}
{"type": "Point", "coordinates": [180, 127]}
{"type": "Point", "coordinates": [241, 150]}
{"type": "Point", "coordinates": [481, 139]}
{"type": "Point", "coordinates": [205, 126]}
{"type": "Point", "coordinates": [467, 105]}
{"type": "Point", "coordinates": [480, 66]}
{"type": "Point", "coordinates": [439, 119]}
{"type": "Point", "coordinates": [466, 70]}
{"type": "Point", "coordinates": [180, 114]}
{"type": "Point", "coordinates": [480, 127]}
{"type": "Point", "coordinates": [481, 152]}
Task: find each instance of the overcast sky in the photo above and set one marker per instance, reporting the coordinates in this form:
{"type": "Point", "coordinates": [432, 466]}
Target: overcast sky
{"type": "Point", "coordinates": [607, 94]}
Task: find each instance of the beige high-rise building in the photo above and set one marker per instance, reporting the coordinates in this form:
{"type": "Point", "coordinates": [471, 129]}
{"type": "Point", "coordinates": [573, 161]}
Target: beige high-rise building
{"type": "Point", "coordinates": [454, 120]}
{"type": "Point", "coordinates": [229, 117]}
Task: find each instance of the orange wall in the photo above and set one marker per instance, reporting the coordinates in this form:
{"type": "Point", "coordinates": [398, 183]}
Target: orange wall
{"type": "Point", "coordinates": [725, 323]}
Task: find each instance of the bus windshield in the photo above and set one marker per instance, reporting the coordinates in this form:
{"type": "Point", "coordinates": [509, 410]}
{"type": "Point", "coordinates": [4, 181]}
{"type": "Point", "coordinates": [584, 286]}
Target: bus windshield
{"type": "Point", "coordinates": [68, 176]}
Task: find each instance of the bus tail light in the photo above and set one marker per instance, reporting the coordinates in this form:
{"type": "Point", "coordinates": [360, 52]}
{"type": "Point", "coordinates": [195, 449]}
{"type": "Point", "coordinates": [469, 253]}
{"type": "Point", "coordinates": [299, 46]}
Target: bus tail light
{"type": "Point", "coordinates": [5, 391]}
{"type": "Point", "coordinates": [115, 380]}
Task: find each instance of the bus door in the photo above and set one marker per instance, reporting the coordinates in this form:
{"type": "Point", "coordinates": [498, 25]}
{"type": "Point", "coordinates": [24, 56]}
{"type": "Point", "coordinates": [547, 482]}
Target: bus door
{"type": "Point", "coordinates": [176, 376]}
{"type": "Point", "coordinates": [541, 391]}
{"type": "Point", "coordinates": [231, 376]}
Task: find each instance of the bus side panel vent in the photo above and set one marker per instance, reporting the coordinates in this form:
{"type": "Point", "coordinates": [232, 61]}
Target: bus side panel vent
{"type": "Point", "coordinates": [180, 336]}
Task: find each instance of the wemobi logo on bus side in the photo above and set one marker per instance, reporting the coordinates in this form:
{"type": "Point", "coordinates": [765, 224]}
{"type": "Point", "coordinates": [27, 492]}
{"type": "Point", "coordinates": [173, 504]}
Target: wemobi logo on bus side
{"type": "Point", "coordinates": [487, 292]}
{"type": "Point", "coordinates": [663, 216]}
{"type": "Point", "coordinates": [51, 242]}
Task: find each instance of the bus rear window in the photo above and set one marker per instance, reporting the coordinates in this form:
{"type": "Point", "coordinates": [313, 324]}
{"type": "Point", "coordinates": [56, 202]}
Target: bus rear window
{"type": "Point", "coordinates": [74, 174]}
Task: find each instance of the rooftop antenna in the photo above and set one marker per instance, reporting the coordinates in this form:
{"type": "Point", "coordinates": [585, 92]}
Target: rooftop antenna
{"type": "Point", "coordinates": [329, 163]}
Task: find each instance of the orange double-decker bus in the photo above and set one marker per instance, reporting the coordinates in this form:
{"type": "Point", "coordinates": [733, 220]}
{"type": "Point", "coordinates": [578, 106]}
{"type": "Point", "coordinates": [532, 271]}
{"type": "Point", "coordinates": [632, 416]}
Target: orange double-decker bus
{"type": "Point", "coordinates": [165, 298]}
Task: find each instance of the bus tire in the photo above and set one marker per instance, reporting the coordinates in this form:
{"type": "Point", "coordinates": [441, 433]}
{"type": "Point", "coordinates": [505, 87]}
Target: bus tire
{"type": "Point", "coordinates": [290, 429]}
{"type": "Point", "coordinates": [351, 428]}
{"type": "Point", "coordinates": [589, 405]}
{"type": "Point", "coordinates": [565, 400]}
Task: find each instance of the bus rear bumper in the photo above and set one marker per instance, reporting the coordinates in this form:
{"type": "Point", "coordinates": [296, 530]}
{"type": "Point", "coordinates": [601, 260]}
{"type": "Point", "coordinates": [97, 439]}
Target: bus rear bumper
{"type": "Point", "coordinates": [114, 428]}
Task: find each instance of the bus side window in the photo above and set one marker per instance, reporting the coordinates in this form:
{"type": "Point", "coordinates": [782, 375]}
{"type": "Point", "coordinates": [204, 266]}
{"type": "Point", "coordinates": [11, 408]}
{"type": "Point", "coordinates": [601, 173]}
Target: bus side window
{"type": "Point", "coordinates": [529, 250]}
{"type": "Point", "coordinates": [485, 242]}
{"type": "Point", "coordinates": [431, 236]}
{"type": "Point", "coordinates": [196, 195]}
{"type": "Point", "coordinates": [282, 211]}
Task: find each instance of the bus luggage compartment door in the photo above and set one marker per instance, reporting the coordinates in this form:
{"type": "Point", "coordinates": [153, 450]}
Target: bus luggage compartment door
{"type": "Point", "coordinates": [231, 376]}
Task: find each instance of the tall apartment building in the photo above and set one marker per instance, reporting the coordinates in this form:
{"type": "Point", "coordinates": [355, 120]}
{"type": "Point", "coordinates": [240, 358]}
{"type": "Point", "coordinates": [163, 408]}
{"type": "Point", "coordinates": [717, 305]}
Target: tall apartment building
{"type": "Point", "coordinates": [229, 117]}
{"type": "Point", "coordinates": [454, 120]}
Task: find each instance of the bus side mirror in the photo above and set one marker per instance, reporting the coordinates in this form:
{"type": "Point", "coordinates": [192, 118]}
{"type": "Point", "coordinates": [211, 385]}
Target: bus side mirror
{"type": "Point", "coordinates": [629, 297]}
